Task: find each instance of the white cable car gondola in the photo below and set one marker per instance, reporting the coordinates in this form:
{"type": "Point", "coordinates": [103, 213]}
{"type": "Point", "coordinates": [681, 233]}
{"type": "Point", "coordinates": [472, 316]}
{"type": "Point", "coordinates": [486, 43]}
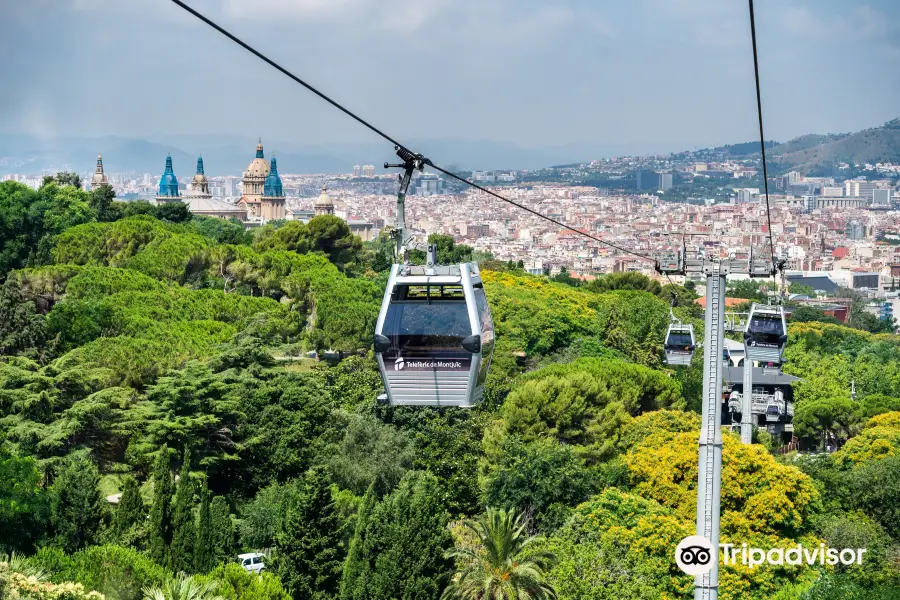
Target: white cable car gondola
{"type": "Point", "coordinates": [680, 344]}
{"type": "Point", "coordinates": [434, 336]}
{"type": "Point", "coordinates": [765, 335]}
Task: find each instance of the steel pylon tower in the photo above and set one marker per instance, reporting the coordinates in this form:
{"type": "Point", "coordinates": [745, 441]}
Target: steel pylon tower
{"type": "Point", "coordinates": [709, 471]}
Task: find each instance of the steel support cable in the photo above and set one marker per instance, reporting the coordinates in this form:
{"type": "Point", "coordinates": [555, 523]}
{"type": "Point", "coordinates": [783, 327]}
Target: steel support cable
{"type": "Point", "coordinates": [401, 148]}
{"type": "Point", "coordinates": [762, 139]}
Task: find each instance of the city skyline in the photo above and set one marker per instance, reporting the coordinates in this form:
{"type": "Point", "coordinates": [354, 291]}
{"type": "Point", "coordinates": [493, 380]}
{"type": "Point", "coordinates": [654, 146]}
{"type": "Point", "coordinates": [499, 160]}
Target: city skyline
{"type": "Point", "coordinates": [652, 78]}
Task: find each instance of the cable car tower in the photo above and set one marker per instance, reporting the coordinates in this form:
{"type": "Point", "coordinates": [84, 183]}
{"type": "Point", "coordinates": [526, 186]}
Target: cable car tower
{"type": "Point", "coordinates": [709, 472]}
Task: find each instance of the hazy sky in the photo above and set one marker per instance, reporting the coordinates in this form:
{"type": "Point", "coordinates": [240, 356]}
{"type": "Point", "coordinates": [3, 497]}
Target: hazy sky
{"type": "Point", "coordinates": [659, 73]}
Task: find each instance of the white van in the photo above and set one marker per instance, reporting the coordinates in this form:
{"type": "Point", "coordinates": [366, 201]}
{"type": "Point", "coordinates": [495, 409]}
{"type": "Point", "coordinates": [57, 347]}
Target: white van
{"type": "Point", "coordinates": [252, 562]}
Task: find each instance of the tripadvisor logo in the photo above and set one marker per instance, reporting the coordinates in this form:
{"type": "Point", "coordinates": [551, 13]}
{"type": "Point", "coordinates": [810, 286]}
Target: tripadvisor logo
{"type": "Point", "coordinates": [694, 555]}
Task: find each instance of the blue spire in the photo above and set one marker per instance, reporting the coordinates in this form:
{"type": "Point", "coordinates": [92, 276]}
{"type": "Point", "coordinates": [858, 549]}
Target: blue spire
{"type": "Point", "coordinates": [259, 152]}
{"type": "Point", "coordinates": [200, 165]}
{"type": "Point", "coordinates": [168, 184]}
{"type": "Point", "coordinates": [273, 181]}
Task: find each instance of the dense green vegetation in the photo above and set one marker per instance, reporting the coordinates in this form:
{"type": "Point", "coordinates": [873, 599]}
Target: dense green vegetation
{"type": "Point", "coordinates": [160, 413]}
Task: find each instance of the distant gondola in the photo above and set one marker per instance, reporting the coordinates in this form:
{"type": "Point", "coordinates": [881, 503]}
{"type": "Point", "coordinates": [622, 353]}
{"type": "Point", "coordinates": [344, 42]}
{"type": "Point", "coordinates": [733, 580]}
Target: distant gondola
{"type": "Point", "coordinates": [434, 336]}
{"type": "Point", "coordinates": [765, 334]}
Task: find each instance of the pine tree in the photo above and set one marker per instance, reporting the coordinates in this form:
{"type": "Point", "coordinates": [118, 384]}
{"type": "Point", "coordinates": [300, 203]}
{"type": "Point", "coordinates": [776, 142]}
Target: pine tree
{"type": "Point", "coordinates": [181, 552]}
{"type": "Point", "coordinates": [222, 529]}
{"type": "Point", "coordinates": [352, 585]}
{"type": "Point", "coordinates": [76, 505]}
{"type": "Point", "coordinates": [101, 199]}
{"type": "Point", "coordinates": [204, 551]}
{"type": "Point", "coordinates": [405, 544]}
{"type": "Point", "coordinates": [160, 511]}
{"type": "Point", "coordinates": [130, 510]}
{"type": "Point", "coordinates": [310, 551]}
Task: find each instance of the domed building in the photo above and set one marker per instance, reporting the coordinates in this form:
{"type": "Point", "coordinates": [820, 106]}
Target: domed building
{"type": "Point", "coordinates": [323, 204]}
{"type": "Point", "coordinates": [263, 197]}
{"type": "Point", "coordinates": [99, 178]}
{"type": "Point", "coordinates": [200, 201]}
{"type": "Point", "coordinates": [168, 185]}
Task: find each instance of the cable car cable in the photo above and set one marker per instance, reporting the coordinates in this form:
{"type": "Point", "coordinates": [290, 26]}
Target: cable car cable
{"type": "Point", "coordinates": [274, 64]}
{"type": "Point", "coordinates": [401, 149]}
{"type": "Point", "coordinates": [762, 139]}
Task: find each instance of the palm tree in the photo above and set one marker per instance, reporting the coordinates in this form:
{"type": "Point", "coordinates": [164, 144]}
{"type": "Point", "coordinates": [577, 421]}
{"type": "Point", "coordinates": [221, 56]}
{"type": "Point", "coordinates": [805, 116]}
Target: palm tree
{"type": "Point", "coordinates": [500, 567]}
{"type": "Point", "coordinates": [17, 563]}
{"type": "Point", "coordinates": [183, 587]}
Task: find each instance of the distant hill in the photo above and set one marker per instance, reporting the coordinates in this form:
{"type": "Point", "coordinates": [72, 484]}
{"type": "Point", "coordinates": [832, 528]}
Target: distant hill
{"type": "Point", "coordinates": [814, 154]}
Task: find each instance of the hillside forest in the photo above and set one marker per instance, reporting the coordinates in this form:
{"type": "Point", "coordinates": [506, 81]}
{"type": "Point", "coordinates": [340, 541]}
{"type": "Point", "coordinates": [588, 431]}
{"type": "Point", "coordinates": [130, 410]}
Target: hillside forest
{"type": "Point", "coordinates": [177, 390]}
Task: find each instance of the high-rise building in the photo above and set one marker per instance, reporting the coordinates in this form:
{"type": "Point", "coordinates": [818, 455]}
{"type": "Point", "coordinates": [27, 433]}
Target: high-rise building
{"type": "Point", "coordinates": [368, 171]}
{"type": "Point", "coordinates": [478, 231]}
{"type": "Point", "coordinates": [665, 181]}
{"type": "Point", "coordinates": [646, 179]}
{"type": "Point", "coordinates": [357, 170]}
{"type": "Point", "coordinates": [881, 198]}
{"type": "Point", "coordinates": [230, 186]}
{"type": "Point", "coordinates": [429, 185]}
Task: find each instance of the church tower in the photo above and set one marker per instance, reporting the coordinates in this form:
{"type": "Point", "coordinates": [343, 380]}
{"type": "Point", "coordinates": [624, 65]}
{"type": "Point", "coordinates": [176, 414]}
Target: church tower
{"type": "Point", "coordinates": [99, 178]}
{"type": "Point", "coordinates": [254, 184]}
{"type": "Point", "coordinates": [199, 184]}
{"type": "Point", "coordinates": [272, 201]}
{"type": "Point", "coordinates": [324, 205]}
{"type": "Point", "coordinates": [168, 185]}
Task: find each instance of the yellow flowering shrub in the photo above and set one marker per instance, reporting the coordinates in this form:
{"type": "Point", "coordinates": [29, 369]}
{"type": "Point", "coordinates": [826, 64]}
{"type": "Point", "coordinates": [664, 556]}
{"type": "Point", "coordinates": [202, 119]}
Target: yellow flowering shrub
{"type": "Point", "coordinates": [873, 443]}
{"type": "Point", "coordinates": [774, 498]}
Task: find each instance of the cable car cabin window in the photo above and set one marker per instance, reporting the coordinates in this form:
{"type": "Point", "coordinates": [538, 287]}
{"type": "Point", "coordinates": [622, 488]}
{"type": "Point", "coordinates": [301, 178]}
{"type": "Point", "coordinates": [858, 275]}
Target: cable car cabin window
{"type": "Point", "coordinates": [487, 333]}
{"type": "Point", "coordinates": [427, 323]}
{"type": "Point", "coordinates": [766, 330]}
{"type": "Point", "coordinates": [679, 339]}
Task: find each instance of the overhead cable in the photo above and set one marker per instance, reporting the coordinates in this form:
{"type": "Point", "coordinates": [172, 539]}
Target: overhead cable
{"type": "Point", "coordinates": [400, 147]}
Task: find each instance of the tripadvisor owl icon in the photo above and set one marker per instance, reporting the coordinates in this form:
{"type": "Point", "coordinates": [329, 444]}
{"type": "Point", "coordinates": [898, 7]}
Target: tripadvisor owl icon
{"type": "Point", "coordinates": [694, 555]}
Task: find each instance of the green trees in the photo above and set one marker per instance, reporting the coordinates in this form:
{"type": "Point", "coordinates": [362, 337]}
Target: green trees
{"type": "Point", "coordinates": [371, 453]}
{"type": "Point", "coordinates": [234, 583]}
{"type": "Point", "coordinates": [327, 234]}
{"type": "Point", "coordinates": [28, 219]}
{"type": "Point", "coordinates": [22, 330]}
{"type": "Point", "coordinates": [130, 513]}
{"type": "Point", "coordinates": [585, 403]}
{"type": "Point", "coordinates": [540, 479]}
{"type": "Point", "coordinates": [24, 508]}
{"type": "Point", "coordinates": [403, 545]}
{"type": "Point", "coordinates": [160, 510]}
{"type": "Point", "coordinates": [624, 281]}
{"type": "Point", "coordinates": [503, 566]}
{"type": "Point", "coordinates": [823, 417]}
{"type": "Point", "coordinates": [76, 506]}
{"type": "Point", "coordinates": [353, 581]}
{"type": "Point", "coordinates": [181, 551]}
{"type": "Point", "coordinates": [101, 200]}
{"type": "Point", "coordinates": [310, 550]}
{"type": "Point", "coordinates": [183, 587]}
{"type": "Point", "coordinates": [223, 529]}
{"type": "Point", "coordinates": [204, 547]}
